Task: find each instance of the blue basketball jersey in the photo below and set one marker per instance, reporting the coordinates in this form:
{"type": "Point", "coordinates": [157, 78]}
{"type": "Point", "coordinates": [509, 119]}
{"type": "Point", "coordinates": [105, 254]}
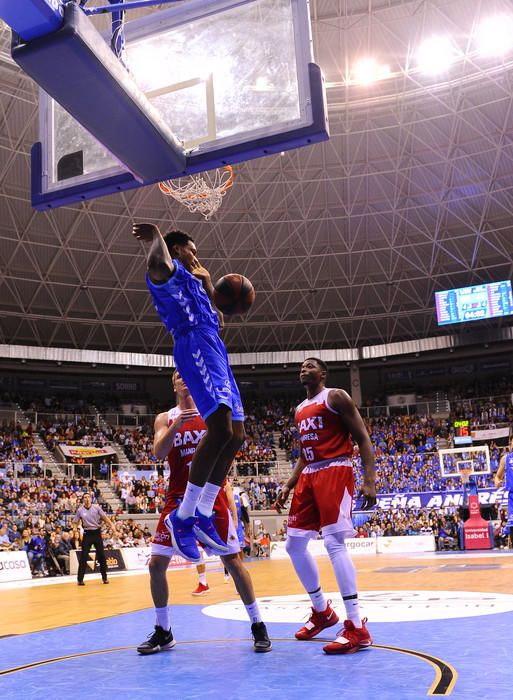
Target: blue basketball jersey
{"type": "Point", "coordinates": [182, 302]}
{"type": "Point", "coordinates": [508, 472]}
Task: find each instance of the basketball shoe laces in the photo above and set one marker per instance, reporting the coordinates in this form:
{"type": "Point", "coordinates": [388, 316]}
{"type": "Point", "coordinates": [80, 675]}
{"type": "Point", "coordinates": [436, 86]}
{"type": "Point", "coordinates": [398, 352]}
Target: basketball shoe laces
{"type": "Point", "coordinates": [354, 635]}
{"type": "Point", "coordinates": [318, 617]}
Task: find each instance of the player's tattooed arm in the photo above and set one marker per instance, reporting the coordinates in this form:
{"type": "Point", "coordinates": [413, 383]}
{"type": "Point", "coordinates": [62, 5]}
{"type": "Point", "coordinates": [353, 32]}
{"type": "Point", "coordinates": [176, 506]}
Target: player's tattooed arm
{"type": "Point", "coordinates": [160, 264]}
{"type": "Point", "coordinates": [340, 401]}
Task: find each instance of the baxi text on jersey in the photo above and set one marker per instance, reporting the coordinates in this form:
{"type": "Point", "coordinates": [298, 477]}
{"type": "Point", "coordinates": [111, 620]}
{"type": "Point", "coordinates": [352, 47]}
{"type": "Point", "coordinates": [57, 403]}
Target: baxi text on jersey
{"type": "Point", "coordinates": [313, 423]}
{"type": "Point", "coordinates": [188, 437]}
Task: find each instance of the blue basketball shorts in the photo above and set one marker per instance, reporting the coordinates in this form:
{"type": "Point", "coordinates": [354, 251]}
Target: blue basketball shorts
{"type": "Point", "coordinates": [202, 361]}
{"type": "Point", "coordinates": [510, 509]}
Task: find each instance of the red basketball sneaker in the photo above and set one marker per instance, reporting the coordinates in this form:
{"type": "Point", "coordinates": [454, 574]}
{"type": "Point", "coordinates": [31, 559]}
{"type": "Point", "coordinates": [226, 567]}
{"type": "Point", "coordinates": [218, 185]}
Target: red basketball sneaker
{"type": "Point", "coordinates": [317, 622]}
{"type": "Point", "coordinates": [350, 639]}
{"type": "Point", "coordinates": [201, 589]}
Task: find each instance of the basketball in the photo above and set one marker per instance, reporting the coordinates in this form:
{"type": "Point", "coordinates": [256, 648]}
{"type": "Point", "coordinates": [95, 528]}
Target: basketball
{"type": "Point", "coordinates": [233, 294]}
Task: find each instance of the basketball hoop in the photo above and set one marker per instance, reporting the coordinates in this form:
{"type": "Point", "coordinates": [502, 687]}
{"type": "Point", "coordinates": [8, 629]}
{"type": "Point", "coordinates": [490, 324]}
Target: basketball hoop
{"type": "Point", "coordinates": [465, 473]}
{"type": "Point", "coordinates": [201, 193]}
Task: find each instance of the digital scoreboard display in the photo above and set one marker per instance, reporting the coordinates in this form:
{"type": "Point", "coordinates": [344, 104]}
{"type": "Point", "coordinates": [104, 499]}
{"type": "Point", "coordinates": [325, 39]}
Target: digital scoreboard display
{"type": "Point", "coordinates": [474, 303]}
{"type": "Point", "coordinates": [462, 434]}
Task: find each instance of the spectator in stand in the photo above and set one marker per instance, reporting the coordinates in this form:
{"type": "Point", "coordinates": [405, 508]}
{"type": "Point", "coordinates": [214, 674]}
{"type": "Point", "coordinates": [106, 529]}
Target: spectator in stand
{"type": "Point", "coordinates": [63, 547]}
{"type": "Point", "coordinates": [5, 542]}
{"type": "Point", "coordinates": [36, 553]}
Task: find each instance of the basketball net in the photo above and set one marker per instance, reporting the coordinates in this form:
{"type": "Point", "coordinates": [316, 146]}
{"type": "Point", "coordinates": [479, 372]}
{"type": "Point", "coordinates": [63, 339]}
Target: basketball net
{"type": "Point", "coordinates": [201, 193]}
{"type": "Point", "coordinates": [465, 474]}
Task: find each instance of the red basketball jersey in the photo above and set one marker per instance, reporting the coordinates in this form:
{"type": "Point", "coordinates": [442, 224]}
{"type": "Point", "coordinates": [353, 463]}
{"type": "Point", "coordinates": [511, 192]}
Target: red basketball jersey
{"type": "Point", "coordinates": [180, 455]}
{"type": "Point", "coordinates": [321, 431]}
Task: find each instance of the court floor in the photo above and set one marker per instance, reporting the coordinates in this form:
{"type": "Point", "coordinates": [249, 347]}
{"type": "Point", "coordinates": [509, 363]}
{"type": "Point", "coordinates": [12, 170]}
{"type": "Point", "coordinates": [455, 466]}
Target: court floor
{"type": "Point", "coordinates": [440, 623]}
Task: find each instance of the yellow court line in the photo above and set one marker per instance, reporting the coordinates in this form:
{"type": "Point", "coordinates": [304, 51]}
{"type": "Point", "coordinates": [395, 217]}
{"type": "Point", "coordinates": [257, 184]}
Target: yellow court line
{"type": "Point", "coordinates": [445, 678]}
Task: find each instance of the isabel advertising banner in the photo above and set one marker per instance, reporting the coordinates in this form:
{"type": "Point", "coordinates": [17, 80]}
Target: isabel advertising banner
{"type": "Point", "coordinates": [14, 566]}
{"type": "Point", "coordinates": [83, 452]}
{"type": "Point", "coordinates": [438, 499]}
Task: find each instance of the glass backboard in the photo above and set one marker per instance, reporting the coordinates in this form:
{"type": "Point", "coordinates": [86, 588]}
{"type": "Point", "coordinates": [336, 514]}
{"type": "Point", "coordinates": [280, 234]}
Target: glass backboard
{"type": "Point", "coordinates": [233, 81]}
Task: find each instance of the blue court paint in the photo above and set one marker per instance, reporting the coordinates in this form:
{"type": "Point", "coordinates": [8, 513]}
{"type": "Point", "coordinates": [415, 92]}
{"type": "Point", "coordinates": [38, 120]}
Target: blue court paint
{"type": "Point", "coordinates": [214, 658]}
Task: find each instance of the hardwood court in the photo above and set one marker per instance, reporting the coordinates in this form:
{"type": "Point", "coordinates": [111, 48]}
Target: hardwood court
{"type": "Point", "coordinates": [428, 615]}
{"type": "Point", "coordinates": [46, 607]}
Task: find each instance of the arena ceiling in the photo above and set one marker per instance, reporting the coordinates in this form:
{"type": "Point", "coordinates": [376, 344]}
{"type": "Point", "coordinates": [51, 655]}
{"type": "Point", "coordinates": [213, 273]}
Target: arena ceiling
{"type": "Point", "coordinates": [345, 242]}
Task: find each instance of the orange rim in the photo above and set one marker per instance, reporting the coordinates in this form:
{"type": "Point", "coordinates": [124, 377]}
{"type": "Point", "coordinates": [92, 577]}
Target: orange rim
{"type": "Point", "coordinates": [166, 189]}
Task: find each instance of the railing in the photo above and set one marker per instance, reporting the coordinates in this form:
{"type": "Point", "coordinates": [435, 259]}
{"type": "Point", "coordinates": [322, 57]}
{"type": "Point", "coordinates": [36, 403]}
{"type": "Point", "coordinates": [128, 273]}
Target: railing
{"type": "Point", "coordinates": [135, 420]}
{"type": "Point", "coordinates": [39, 470]}
{"type": "Point", "coordinates": [239, 468]}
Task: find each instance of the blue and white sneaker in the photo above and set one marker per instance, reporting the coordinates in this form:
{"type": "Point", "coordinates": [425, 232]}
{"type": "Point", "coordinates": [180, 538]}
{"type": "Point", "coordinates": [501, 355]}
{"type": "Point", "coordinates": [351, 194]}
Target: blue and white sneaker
{"type": "Point", "coordinates": [182, 536]}
{"type": "Point", "coordinates": [206, 533]}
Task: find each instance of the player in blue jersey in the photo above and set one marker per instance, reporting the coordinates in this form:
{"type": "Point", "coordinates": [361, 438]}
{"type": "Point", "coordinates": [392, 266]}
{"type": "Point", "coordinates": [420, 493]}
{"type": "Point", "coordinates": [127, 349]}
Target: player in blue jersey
{"type": "Point", "coordinates": [505, 473]}
{"type": "Point", "coordinates": [240, 524]}
{"type": "Point", "coordinates": [182, 292]}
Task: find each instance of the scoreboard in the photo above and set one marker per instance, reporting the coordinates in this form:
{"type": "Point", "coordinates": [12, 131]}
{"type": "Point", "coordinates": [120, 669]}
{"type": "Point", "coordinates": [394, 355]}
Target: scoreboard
{"type": "Point", "coordinates": [474, 303]}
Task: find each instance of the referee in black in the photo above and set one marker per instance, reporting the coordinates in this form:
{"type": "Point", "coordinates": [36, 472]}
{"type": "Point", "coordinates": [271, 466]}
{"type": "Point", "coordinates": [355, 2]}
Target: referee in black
{"type": "Point", "coordinates": [92, 516]}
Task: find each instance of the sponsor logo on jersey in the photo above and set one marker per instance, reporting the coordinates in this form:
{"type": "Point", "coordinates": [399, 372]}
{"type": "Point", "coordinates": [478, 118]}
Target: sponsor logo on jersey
{"type": "Point", "coordinates": [314, 423]}
{"type": "Point", "coordinates": [188, 437]}
{"type": "Point", "coordinates": [309, 436]}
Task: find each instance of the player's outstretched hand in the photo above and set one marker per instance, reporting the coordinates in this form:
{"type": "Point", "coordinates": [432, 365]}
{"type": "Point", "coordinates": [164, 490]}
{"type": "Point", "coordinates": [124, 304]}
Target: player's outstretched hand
{"type": "Point", "coordinates": [144, 232]}
{"type": "Point", "coordinates": [283, 497]}
{"type": "Point", "coordinates": [199, 271]}
{"type": "Point", "coordinates": [368, 492]}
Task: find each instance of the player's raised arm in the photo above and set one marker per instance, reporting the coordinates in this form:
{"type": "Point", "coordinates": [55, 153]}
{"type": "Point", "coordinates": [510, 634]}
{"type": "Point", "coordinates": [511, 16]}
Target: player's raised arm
{"type": "Point", "coordinates": [164, 434]}
{"type": "Point", "coordinates": [341, 402]}
{"type": "Point", "coordinates": [160, 264]}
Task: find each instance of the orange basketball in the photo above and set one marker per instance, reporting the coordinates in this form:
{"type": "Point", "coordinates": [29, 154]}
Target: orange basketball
{"type": "Point", "coordinates": [233, 294]}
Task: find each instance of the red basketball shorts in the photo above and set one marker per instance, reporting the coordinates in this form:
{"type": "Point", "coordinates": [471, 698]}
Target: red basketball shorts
{"type": "Point", "coordinates": [163, 546]}
{"type": "Point", "coordinates": [323, 500]}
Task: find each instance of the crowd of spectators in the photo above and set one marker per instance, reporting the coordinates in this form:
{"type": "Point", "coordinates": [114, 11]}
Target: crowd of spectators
{"type": "Point", "coordinates": [137, 445]}
{"type": "Point", "coordinates": [36, 512]}
{"type": "Point", "coordinates": [36, 515]}
{"type": "Point", "coordinates": [84, 432]}
{"type": "Point", "coordinates": [17, 451]}
{"type": "Point", "coordinates": [140, 494]}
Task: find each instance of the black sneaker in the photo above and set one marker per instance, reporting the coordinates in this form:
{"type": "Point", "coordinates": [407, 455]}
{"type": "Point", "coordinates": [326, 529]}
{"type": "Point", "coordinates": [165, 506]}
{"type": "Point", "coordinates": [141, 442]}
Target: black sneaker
{"type": "Point", "coordinates": [160, 640]}
{"type": "Point", "coordinates": [262, 641]}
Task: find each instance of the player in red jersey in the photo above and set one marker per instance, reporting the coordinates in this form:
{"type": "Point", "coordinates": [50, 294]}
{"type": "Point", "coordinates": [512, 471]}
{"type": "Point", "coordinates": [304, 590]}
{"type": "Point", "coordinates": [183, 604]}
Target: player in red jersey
{"type": "Point", "coordinates": [177, 434]}
{"type": "Point", "coordinates": [323, 484]}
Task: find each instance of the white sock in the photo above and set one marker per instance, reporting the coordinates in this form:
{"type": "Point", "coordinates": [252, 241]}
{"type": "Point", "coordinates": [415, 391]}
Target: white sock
{"type": "Point", "coordinates": [187, 507]}
{"type": "Point", "coordinates": [353, 609]}
{"type": "Point", "coordinates": [162, 615]}
{"type": "Point", "coordinates": [307, 570]}
{"type": "Point", "coordinates": [319, 602]}
{"type": "Point", "coordinates": [203, 578]}
{"type": "Point", "coordinates": [253, 612]}
{"type": "Point", "coordinates": [345, 573]}
{"type": "Point", "coordinates": [208, 496]}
